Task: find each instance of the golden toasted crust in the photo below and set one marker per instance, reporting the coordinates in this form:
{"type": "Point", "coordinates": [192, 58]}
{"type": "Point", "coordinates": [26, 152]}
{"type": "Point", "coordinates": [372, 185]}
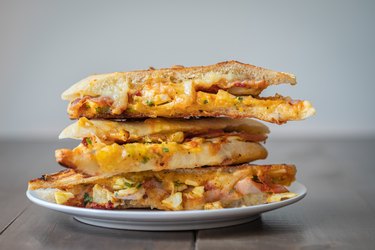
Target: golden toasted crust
{"type": "Point", "coordinates": [259, 77]}
{"type": "Point", "coordinates": [243, 70]}
{"type": "Point", "coordinates": [282, 174]}
{"type": "Point", "coordinates": [65, 157]}
{"type": "Point", "coordinates": [247, 71]}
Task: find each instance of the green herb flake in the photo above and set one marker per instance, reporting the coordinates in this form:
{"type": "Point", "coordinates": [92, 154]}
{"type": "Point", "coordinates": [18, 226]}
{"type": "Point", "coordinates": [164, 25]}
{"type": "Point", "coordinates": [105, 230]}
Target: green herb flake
{"type": "Point", "coordinates": [239, 98]}
{"type": "Point", "coordinates": [145, 159]}
{"type": "Point", "coordinates": [103, 110]}
{"type": "Point", "coordinates": [205, 101]}
{"type": "Point", "coordinates": [88, 141]}
{"type": "Point", "coordinates": [149, 103]}
{"type": "Point", "coordinates": [87, 199]}
{"type": "Point", "coordinates": [165, 150]}
{"type": "Point", "coordinates": [138, 185]}
{"type": "Point", "coordinates": [130, 110]}
{"type": "Point", "coordinates": [129, 185]}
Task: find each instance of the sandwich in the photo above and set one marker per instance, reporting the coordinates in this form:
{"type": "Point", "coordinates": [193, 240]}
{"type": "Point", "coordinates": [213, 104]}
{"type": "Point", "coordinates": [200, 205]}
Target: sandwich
{"type": "Point", "coordinates": [173, 139]}
{"type": "Point", "coordinates": [112, 147]}
{"type": "Point", "coordinates": [182, 189]}
{"type": "Point", "coordinates": [228, 89]}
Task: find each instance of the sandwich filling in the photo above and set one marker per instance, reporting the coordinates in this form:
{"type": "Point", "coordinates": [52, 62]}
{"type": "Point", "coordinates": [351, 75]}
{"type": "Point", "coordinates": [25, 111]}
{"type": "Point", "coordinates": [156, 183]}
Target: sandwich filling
{"type": "Point", "coordinates": [94, 157]}
{"type": "Point", "coordinates": [275, 109]}
{"type": "Point", "coordinates": [164, 130]}
{"type": "Point", "coordinates": [183, 189]}
{"type": "Point", "coordinates": [113, 147]}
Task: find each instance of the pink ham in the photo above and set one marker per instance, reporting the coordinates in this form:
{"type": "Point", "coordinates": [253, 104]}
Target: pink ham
{"type": "Point", "coordinates": [248, 186]}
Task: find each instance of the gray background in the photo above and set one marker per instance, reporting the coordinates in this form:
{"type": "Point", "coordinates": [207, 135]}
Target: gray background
{"type": "Point", "coordinates": [46, 46]}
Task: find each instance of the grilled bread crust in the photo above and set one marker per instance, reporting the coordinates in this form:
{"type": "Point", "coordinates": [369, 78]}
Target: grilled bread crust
{"type": "Point", "coordinates": [259, 77]}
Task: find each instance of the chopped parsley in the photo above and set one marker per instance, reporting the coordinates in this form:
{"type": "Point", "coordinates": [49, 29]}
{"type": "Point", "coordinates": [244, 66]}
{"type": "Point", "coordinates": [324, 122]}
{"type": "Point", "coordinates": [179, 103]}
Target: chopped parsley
{"type": "Point", "coordinates": [149, 103]}
{"type": "Point", "coordinates": [165, 150]}
{"type": "Point", "coordinates": [129, 185]}
{"type": "Point", "coordinates": [145, 159]}
{"type": "Point", "coordinates": [87, 199]}
{"type": "Point", "coordinates": [130, 109]}
{"type": "Point", "coordinates": [239, 98]}
{"type": "Point", "coordinates": [88, 141]}
{"type": "Point", "coordinates": [102, 110]}
{"type": "Point", "coordinates": [205, 101]}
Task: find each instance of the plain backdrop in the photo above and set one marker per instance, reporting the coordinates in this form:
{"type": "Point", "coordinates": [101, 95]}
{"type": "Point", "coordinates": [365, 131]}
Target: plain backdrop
{"type": "Point", "coordinates": [46, 46]}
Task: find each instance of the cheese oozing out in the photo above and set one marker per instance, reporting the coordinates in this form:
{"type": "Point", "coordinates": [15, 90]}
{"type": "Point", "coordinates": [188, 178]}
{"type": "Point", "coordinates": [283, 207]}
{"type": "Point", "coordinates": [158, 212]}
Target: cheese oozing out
{"type": "Point", "coordinates": [99, 158]}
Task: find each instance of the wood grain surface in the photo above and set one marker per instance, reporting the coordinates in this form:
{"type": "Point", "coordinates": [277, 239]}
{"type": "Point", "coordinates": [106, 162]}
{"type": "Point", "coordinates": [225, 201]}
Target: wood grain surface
{"type": "Point", "coordinates": [337, 213]}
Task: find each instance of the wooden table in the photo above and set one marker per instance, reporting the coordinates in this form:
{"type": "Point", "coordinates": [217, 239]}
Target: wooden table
{"type": "Point", "coordinates": [338, 212]}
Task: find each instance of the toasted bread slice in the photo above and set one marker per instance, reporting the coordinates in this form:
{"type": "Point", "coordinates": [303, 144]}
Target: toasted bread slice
{"type": "Point", "coordinates": [162, 130]}
{"type": "Point", "coordinates": [225, 89]}
{"type": "Point", "coordinates": [182, 189]}
{"type": "Point", "coordinates": [96, 158]}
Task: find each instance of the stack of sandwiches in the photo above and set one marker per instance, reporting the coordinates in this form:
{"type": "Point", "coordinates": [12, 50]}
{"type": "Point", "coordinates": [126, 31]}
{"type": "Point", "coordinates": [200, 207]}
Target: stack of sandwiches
{"type": "Point", "coordinates": [180, 138]}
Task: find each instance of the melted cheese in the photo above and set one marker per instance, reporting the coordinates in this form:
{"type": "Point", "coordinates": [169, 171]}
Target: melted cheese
{"type": "Point", "coordinates": [274, 109]}
{"type": "Point", "coordinates": [101, 195]}
{"type": "Point", "coordinates": [62, 197]}
{"type": "Point", "coordinates": [172, 130]}
{"type": "Point", "coordinates": [116, 88]}
{"type": "Point", "coordinates": [215, 190]}
{"type": "Point", "coordinates": [174, 201]}
{"type": "Point", "coordinates": [280, 196]}
{"type": "Point", "coordinates": [134, 157]}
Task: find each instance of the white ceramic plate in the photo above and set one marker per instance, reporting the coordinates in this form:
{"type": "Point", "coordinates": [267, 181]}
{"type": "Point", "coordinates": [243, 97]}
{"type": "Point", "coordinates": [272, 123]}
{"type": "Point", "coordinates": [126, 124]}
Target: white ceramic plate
{"type": "Point", "coordinates": [153, 220]}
